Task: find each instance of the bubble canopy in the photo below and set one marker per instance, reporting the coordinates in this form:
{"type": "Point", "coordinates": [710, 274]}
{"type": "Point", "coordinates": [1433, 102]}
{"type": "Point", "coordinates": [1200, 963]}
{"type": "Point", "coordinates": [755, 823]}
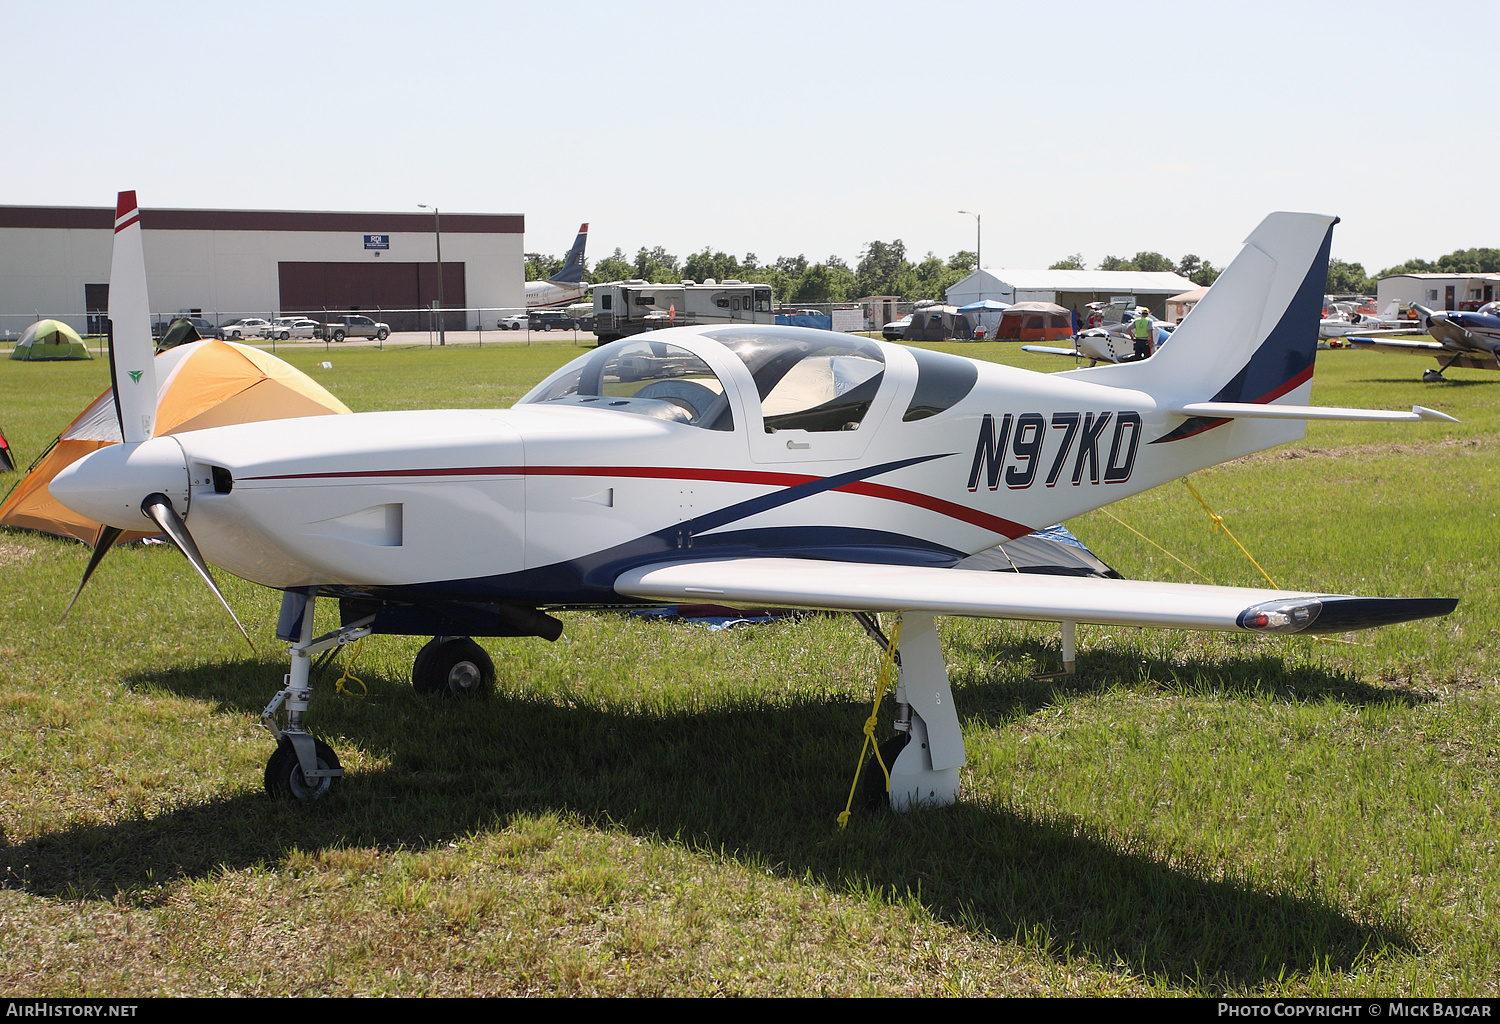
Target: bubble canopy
{"type": "Point", "coordinates": [807, 380]}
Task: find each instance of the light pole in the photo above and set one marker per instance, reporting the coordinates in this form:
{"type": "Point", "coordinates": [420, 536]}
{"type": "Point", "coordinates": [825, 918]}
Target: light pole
{"type": "Point", "coordinates": [437, 230]}
{"type": "Point", "coordinates": [977, 265]}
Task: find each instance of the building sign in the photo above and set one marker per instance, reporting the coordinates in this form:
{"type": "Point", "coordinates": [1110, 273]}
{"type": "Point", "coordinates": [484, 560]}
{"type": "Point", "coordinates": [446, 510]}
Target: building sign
{"type": "Point", "coordinates": [377, 241]}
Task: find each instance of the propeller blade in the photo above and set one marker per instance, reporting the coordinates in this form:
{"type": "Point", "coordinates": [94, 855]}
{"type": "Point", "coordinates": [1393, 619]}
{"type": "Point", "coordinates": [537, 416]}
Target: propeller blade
{"type": "Point", "coordinates": [101, 548]}
{"type": "Point", "coordinates": [158, 507]}
{"type": "Point", "coordinates": [132, 366]}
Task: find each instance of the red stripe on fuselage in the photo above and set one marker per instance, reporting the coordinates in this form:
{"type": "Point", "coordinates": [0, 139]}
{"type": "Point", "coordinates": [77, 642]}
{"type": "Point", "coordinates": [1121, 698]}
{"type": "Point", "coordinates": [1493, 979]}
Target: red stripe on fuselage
{"type": "Point", "coordinates": [953, 510]}
{"type": "Point", "coordinates": [733, 476]}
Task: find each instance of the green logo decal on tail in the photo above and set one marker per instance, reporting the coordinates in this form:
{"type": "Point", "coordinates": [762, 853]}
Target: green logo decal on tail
{"type": "Point", "coordinates": [135, 375]}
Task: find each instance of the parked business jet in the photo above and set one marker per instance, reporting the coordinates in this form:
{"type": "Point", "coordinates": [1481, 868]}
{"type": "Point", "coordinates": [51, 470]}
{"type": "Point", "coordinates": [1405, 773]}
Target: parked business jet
{"type": "Point", "coordinates": [566, 285]}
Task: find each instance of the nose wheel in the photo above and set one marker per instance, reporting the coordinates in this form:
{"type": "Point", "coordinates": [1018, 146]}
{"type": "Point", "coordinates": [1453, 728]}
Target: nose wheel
{"type": "Point", "coordinates": [285, 779]}
{"type": "Point", "coordinates": [303, 767]}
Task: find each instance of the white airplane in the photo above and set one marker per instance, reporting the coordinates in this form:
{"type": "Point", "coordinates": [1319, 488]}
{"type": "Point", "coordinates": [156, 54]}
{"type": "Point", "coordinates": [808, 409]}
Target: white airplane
{"type": "Point", "coordinates": [1387, 323]}
{"type": "Point", "coordinates": [754, 465]}
{"type": "Point", "coordinates": [566, 285]}
{"type": "Point", "coordinates": [1112, 344]}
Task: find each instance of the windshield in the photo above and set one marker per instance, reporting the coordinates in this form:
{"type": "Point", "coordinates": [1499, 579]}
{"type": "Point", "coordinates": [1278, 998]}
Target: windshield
{"type": "Point", "coordinates": [648, 378]}
{"type": "Point", "coordinates": [808, 380]}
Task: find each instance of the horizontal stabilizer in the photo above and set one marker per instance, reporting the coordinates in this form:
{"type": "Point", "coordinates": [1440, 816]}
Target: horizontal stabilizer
{"type": "Point", "coordinates": [1050, 351]}
{"type": "Point", "coordinates": [855, 586]}
{"type": "Point", "coordinates": [1251, 410]}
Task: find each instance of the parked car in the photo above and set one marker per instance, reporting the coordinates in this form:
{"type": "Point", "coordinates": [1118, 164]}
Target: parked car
{"type": "Point", "coordinates": [513, 323]}
{"type": "Point", "coordinates": [896, 329]}
{"type": "Point", "coordinates": [354, 325]}
{"type": "Point", "coordinates": [244, 327]}
{"type": "Point", "coordinates": [551, 319]}
{"type": "Point", "coordinates": [285, 327]}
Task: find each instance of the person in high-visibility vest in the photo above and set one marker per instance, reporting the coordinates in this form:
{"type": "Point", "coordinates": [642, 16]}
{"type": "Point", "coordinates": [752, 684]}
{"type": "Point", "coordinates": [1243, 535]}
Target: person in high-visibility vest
{"type": "Point", "coordinates": [1143, 329]}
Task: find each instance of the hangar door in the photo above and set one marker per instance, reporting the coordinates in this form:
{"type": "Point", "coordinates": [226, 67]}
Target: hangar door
{"type": "Point", "coordinates": [398, 292]}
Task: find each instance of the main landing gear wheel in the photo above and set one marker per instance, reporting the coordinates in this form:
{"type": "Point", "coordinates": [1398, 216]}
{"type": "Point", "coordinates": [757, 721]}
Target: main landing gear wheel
{"type": "Point", "coordinates": [1433, 377]}
{"type": "Point", "coordinates": [873, 785]}
{"type": "Point", "coordinates": [284, 778]}
{"type": "Point", "coordinates": [452, 666]}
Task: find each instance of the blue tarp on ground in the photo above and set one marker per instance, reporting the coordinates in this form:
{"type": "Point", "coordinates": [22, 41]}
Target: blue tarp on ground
{"type": "Point", "coordinates": [822, 323]}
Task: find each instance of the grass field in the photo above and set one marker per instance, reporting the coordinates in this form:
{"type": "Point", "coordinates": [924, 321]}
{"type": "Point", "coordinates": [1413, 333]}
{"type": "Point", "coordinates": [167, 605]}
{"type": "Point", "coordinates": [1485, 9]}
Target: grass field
{"type": "Point", "coordinates": [649, 808]}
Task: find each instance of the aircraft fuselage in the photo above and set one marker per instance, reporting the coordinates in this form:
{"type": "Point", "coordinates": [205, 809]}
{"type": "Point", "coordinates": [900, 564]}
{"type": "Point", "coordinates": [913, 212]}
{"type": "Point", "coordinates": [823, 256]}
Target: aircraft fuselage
{"type": "Point", "coordinates": [547, 502]}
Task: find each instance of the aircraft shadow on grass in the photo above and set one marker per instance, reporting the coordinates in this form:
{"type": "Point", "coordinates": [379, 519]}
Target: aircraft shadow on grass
{"type": "Point", "coordinates": [1000, 695]}
{"type": "Point", "coordinates": [1449, 383]}
{"type": "Point", "coordinates": [709, 779]}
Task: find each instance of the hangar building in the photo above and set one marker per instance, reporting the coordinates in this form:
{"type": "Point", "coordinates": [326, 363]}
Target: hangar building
{"type": "Point", "coordinates": [1070, 288]}
{"type": "Point", "coordinates": [54, 262]}
{"type": "Point", "coordinates": [1439, 291]}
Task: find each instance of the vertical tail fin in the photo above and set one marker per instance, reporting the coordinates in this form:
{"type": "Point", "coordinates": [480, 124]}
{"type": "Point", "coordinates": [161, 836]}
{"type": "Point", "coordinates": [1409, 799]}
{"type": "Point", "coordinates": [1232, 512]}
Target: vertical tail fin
{"type": "Point", "coordinates": [1253, 337]}
{"type": "Point", "coordinates": [132, 367]}
{"type": "Point", "coordinates": [572, 269]}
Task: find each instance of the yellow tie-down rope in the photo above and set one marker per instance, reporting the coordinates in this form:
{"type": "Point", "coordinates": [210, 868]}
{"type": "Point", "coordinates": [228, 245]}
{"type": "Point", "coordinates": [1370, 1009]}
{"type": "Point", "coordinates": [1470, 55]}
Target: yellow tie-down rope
{"type": "Point", "coordinates": [349, 676]}
{"type": "Point", "coordinates": [886, 664]}
{"type": "Point", "coordinates": [1218, 521]}
{"type": "Point", "coordinates": [1153, 543]}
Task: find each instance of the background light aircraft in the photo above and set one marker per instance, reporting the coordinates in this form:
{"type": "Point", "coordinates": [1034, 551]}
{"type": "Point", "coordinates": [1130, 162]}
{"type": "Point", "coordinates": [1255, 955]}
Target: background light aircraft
{"type": "Point", "coordinates": [743, 465]}
{"type": "Point", "coordinates": [1469, 340]}
{"type": "Point", "coordinates": [1110, 344]}
{"type": "Point", "coordinates": [566, 285]}
{"type": "Point", "coordinates": [1388, 322]}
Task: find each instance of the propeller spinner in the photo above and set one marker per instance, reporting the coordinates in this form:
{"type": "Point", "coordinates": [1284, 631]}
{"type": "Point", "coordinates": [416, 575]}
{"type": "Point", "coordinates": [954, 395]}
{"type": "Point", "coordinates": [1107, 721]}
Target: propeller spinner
{"type": "Point", "coordinates": [145, 475]}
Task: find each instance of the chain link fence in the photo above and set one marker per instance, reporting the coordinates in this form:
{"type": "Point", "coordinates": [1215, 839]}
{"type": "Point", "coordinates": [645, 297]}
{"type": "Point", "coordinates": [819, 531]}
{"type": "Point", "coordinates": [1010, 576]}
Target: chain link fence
{"type": "Point", "coordinates": [430, 326]}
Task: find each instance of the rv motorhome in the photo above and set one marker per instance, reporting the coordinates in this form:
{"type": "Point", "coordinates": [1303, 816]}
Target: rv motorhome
{"type": "Point", "coordinates": [623, 308]}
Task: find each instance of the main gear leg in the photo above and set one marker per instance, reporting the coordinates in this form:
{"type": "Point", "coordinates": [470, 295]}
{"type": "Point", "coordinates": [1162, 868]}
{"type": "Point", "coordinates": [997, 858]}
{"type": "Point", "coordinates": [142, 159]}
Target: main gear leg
{"type": "Point", "coordinates": [926, 773]}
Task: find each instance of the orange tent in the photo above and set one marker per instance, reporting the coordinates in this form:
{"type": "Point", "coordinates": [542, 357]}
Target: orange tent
{"type": "Point", "coordinates": [205, 384]}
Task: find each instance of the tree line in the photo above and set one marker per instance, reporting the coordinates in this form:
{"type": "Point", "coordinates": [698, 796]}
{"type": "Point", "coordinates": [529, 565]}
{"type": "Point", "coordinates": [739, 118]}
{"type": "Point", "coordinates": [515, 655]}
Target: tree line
{"type": "Point", "coordinates": [1351, 279]}
{"type": "Point", "coordinates": [885, 269]}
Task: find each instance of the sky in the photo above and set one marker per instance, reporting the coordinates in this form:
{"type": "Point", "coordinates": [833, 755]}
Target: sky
{"type": "Point", "coordinates": [781, 128]}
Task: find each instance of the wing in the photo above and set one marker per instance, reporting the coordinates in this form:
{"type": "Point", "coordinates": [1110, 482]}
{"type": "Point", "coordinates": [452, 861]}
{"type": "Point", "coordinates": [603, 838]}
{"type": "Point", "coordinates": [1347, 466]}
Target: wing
{"type": "Point", "coordinates": [1385, 332]}
{"type": "Point", "coordinates": [1475, 360]}
{"type": "Point", "coordinates": [1049, 350]}
{"type": "Point", "coordinates": [1408, 347]}
{"type": "Point", "coordinates": [857, 586]}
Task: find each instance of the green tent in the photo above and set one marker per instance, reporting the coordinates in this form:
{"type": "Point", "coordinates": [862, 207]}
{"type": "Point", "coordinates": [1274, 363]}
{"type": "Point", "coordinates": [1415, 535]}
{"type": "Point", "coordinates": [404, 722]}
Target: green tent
{"type": "Point", "coordinates": [181, 332]}
{"type": "Point", "coordinates": [50, 339]}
